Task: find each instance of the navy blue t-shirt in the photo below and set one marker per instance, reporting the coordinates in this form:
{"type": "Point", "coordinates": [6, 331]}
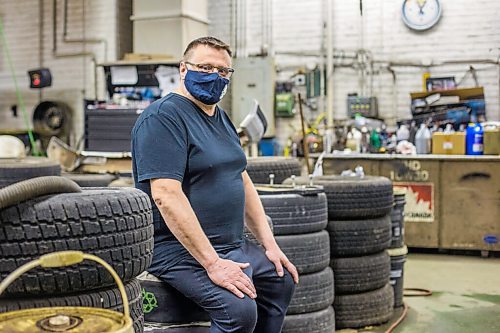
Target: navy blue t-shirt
{"type": "Point", "coordinates": [173, 138]}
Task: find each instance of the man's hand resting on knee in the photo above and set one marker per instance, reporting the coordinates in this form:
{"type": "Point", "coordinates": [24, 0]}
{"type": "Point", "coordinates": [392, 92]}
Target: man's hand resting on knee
{"type": "Point", "coordinates": [229, 274]}
{"type": "Point", "coordinates": [279, 259]}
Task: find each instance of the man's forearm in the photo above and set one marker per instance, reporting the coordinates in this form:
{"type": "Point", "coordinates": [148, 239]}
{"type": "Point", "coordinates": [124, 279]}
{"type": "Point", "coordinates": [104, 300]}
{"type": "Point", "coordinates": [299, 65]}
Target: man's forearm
{"type": "Point", "coordinates": [183, 223]}
{"type": "Point", "coordinates": [255, 216]}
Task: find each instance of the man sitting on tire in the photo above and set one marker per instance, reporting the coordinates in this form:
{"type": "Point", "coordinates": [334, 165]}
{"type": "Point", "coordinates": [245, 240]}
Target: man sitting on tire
{"type": "Point", "coordinates": [187, 157]}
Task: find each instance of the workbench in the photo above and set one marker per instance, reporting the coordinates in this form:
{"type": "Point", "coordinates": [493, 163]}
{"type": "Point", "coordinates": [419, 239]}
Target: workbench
{"type": "Point", "coordinates": [452, 201]}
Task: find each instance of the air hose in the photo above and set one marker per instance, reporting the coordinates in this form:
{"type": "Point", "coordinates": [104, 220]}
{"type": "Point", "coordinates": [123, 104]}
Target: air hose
{"type": "Point", "coordinates": [35, 187]}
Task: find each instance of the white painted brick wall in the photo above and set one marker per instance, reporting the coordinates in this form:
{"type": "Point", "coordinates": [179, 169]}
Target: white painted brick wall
{"type": "Point", "coordinates": [72, 77]}
{"type": "Point", "coordinates": [467, 30]}
{"type": "Point", "coordinates": [20, 19]}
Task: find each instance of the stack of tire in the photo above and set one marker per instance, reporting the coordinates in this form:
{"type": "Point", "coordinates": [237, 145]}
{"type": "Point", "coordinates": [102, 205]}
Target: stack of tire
{"type": "Point", "coordinates": [91, 179]}
{"type": "Point", "coordinates": [398, 250]}
{"type": "Point", "coordinates": [360, 232]}
{"type": "Point", "coordinates": [165, 308]}
{"type": "Point", "coordinates": [299, 216]}
{"type": "Point", "coordinates": [260, 168]}
{"type": "Point", "coordinates": [113, 224]}
{"type": "Point", "coordinates": [13, 170]}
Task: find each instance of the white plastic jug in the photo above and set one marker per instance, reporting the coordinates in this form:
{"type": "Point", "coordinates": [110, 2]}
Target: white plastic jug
{"type": "Point", "coordinates": [423, 140]}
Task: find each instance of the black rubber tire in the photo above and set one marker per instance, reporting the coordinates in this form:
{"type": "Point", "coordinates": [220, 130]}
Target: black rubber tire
{"type": "Point", "coordinates": [308, 252]}
{"type": "Point", "coordinates": [109, 298]}
{"type": "Point", "coordinates": [365, 309]}
{"type": "Point", "coordinates": [314, 292]}
{"type": "Point", "coordinates": [170, 306]}
{"type": "Point", "coordinates": [354, 197]}
{"type": "Point", "coordinates": [90, 179]}
{"type": "Point", "coordinates": [296, 213]}
{"type": "Point", "coordinates": [322, 321]}
{"type": "Point", "coordinates": [359, 237]}
{"type": "Point", "coordinates": [112, 223]}
{"type": "Point", "coordinates": [360, 274]}
{"type": "Point", "coordinates": [259, 168]}
{"type": "Point", "coordinates": [14, 170]}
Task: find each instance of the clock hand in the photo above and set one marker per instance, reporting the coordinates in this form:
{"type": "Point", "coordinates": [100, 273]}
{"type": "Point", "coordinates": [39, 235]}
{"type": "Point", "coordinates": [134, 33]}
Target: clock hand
{"type": "Point", "coordinates": [421, 4]}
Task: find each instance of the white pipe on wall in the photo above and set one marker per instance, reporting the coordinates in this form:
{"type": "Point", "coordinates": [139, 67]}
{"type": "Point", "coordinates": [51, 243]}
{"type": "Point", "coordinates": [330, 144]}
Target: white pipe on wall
{"type": "Point", "coordinates": [329, 63]}
{"type": "Point", "coordinates": [322, 58]}
{"type": "Point", "coordinates": [270, 40]}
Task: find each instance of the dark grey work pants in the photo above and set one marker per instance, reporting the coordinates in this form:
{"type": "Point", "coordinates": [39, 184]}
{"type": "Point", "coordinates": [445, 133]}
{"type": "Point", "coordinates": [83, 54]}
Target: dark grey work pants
{"type": "Point", "coordinates": [229, 313]}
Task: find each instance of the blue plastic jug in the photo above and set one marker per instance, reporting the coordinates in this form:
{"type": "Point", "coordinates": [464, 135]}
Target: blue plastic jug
{"type": "Point", "coordinates": [474, 139]}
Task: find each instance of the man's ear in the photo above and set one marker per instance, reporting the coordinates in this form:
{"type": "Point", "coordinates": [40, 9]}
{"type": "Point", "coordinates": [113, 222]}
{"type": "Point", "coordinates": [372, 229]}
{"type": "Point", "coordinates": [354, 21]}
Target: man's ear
{"type": "Point", "coordinates": [182, 70]}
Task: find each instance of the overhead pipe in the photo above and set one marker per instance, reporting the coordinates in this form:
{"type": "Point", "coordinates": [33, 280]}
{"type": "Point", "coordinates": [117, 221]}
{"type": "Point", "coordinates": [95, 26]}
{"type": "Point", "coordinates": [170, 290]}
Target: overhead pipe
{"type": "Point", "coordinates": [263, 28]}
{"type": "Point", "coordinates": [498, 61]}
{"type": "Point", "coordinates": [329, 64]}
{"type": "Point", "coordinates": [235, 31]}
{"type": "Point", "coordinates": [55, 54]}
{"type": "Point", "coordinates": [40, 43]}
{"type": "Point", "coordinates": [270, 27]}
{"type": "Point", "coordinates": [322, 58]}
{"type": "Point", "coordinates": [394, 63]}
{"type": "Point", "coordinates": [164, 16]}
{"type": "Point", "coordinates": [244, 28]}
{"type": "Point", "coordinates": [66, 39]}
{"type": "Point", "coordinates": [360, 54]}
{"type": "Point", "coordinates": [394, 93]}
{"type": "Point", "coordinates": [232, 27]}
{"type": "Point", "coordinates": [353, 54]}
{"type": "Point", "coordinates": [239, 37]}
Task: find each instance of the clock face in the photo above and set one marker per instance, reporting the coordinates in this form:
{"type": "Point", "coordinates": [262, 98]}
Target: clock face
{"type": "Point", "coordinates": [421, 14]}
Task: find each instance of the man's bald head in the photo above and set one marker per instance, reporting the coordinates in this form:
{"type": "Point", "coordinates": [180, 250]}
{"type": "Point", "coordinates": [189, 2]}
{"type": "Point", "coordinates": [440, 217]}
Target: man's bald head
{"type": "Point", "coordinates": [207, 41]}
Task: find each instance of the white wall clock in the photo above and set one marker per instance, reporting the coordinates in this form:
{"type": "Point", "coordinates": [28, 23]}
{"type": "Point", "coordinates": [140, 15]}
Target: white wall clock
{"type": "Point", "coordinates": [421, 14]}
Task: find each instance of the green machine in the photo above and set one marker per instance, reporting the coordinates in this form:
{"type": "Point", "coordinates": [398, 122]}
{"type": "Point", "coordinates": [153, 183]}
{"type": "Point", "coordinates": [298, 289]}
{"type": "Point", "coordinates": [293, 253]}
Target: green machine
{"type": "Point", "coordinates": [314, 80]}
{"type": "Point", "coordinates": [285, 103]}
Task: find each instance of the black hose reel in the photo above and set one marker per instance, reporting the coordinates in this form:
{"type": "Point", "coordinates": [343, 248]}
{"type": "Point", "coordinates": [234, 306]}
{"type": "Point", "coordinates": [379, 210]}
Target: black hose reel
{"type": "Point", "coordinates": [50, 118]}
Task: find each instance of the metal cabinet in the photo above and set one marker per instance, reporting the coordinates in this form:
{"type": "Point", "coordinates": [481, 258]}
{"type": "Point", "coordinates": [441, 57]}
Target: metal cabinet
{"type": "Point", "coordinates": [453, 202]}
{"type": "Point", "coordinates": [109, 130]}
{"type": "Point", "coordinates": [470, 204]}
{"type": "Point", "coordinates": [254, 79]}
{"type": "Point", "coordinates": [422, 182]}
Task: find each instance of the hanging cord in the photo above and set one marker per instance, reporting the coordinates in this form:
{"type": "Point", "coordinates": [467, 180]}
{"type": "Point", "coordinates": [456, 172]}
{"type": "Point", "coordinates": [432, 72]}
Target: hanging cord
{"type": "Point", "coordinates": [417, 292]}
{"type": "Point", "coordinates": [400, 319]}
{"type": "Point", "coordinates": [411, 292]}
{"type": "Point", "coordinates": [18, 92]}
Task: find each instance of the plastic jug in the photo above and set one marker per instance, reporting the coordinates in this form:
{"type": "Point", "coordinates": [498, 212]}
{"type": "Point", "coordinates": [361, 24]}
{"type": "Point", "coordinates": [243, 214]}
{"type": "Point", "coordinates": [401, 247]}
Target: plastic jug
{"type": "Point", "coordinates": [403, 133]}
{"type": "Point", "coordinates": [413, 131]}
{"type": "Point", "coordinates": [351, 143]}
{"type": "Point", "coordinates": [356, 135]}
{"type": "Point", "coordinates": [474, 139]}
{"type": "Point", "coordinates": [423, 140]}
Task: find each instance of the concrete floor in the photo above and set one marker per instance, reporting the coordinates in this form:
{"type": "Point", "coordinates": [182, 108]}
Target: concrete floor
{"type": "Point", "coordinates": [465, 299]}
{"type": "Point", "coordinates": [466, 295]}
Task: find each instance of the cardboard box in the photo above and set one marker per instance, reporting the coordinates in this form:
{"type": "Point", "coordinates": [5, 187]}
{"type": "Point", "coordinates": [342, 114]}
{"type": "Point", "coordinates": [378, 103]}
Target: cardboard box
{"type": "Point", "coordinates": [492, 142]}
{"type": "Point", "coordinates": [448, 143]}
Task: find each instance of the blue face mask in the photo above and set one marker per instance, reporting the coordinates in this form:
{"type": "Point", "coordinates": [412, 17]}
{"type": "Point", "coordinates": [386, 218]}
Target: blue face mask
{"type": "Point", "coordinates": [208, 88]}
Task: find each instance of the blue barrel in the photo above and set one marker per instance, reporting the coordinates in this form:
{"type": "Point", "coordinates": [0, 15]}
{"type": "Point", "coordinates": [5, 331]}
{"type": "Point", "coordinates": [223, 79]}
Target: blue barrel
{"type": "Point", "coordinates": [267, 147]}
{"type": "Point", "coordinates": [474, 139]}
